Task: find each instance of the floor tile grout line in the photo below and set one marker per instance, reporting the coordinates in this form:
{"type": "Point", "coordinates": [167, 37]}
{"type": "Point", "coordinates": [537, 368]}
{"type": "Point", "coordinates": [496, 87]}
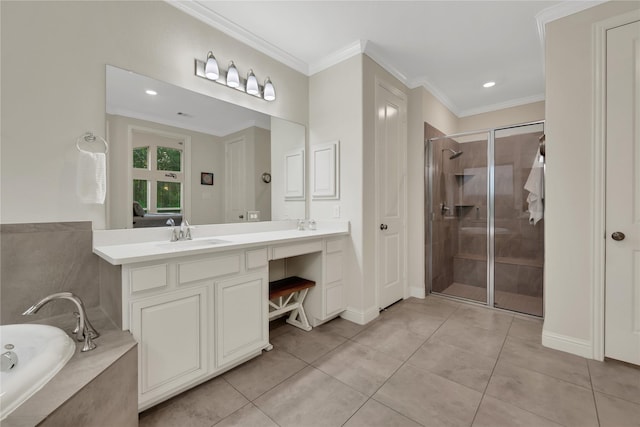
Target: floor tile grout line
{"type": "Point", "coordinates": [553, 375]}
{"type": "Point", "coordinates": [484, 392]}
{"type": "Point", "coordinates": [593, 394]}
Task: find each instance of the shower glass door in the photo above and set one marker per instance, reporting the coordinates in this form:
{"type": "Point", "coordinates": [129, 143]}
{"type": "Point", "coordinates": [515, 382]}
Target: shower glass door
{"type": "Point", "coordinates": [484, 222]}
{"type": "Point", "coordinates": [519, 226]}
{"type": "Point", "coordinates": [457, 226]}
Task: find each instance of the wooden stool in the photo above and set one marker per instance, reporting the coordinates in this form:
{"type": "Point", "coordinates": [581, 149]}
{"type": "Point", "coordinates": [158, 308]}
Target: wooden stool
{"type": "Point", "coordinates": [295, 290]}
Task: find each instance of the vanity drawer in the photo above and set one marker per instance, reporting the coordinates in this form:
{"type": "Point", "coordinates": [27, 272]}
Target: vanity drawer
{"type": "Point", "coordinates": [287, 251]}
{"type": "Point", "coordinates": [207, 268]}
{"type": "Point", "coordinates": [334, 245]}
{"type": "Point", "coordinates": [256, 258]}
{"type": "Point", "coordinates": [152, 277]}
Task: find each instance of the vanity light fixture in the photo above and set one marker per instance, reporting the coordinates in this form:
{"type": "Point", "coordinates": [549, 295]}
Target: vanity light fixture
{"type": "Point", "coordinates": [269, 90]}
{"type": "Point", "coordinates": [252, 84]}
{"type": "Point", "coordinates": [489, 84]}
{"type": "Point", "coordinates": [233, 78]}
{"type": "Point", "coordinates": [210, 70]}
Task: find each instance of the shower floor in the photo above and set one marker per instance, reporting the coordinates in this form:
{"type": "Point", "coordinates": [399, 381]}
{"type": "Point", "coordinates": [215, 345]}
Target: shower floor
{"type": "Point", "coordinates": [505, 300]}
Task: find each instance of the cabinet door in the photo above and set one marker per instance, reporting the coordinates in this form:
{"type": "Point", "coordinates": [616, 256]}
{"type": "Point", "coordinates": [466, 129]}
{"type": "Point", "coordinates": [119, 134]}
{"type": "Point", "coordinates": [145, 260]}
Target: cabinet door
{"type": "Point", "coordinates": [241, 317]}
{"type": "Point", "coordinates": [334, 301]}
{"type": "Point", "coordinates": [171, 330]}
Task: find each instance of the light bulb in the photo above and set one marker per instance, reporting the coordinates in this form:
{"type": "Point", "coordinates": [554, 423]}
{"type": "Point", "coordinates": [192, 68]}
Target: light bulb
{"type": "Point", "coordinates": [269, 90]}
{"type": "Point", "coordinates": [233, 79]}
{"type": "Point", "coordinates": [211, 68]}
{"type": "Point", "coordinates": [252, 84]}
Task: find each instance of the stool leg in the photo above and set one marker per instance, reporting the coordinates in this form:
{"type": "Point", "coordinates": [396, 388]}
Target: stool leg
{"type": "Point", "coordinates": [303, 323]}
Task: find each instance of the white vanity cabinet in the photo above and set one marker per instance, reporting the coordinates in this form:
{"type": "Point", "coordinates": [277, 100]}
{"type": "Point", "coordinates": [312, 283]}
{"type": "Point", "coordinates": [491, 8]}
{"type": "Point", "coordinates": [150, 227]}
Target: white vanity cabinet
{"type": "Point", "coordinates": [322, 262]}
{"type": "Point", "coordinates": [195, 317]}
{"type": "Point", "coordinates": [199, 308]}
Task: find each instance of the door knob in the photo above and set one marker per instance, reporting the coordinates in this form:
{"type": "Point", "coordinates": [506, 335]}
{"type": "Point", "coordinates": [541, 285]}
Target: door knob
{"type": "Point", "coordinates": [383, 226]}
{"type": "Point", "coordinates": [618, 235]}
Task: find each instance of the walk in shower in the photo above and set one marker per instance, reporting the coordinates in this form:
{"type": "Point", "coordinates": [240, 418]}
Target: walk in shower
{"type": "Point", "coordinates": [484, 223]}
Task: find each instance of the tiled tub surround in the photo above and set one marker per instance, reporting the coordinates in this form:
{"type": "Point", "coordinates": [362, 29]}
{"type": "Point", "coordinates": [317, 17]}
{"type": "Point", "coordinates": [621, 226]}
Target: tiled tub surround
{"type": "Point", "coordinates": [93, 387]}
{"type": "Point", "coordinates": [430, 362]}
{"type": "Point", "coordinates": [43, 258]}
{"type": "Point", "coordinates": [459, 236]}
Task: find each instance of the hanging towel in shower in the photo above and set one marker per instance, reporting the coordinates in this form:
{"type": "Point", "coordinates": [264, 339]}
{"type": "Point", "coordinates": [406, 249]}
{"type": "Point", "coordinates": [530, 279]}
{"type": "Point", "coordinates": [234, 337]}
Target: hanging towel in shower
{"type": "Point", "coordinates": [535, 187]}
{"type": "Point", "coordinates": [91, 178]}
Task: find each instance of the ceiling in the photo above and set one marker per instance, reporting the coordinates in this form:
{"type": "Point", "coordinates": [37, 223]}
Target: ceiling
{"type": "Point", "coordinates": [449, 47]}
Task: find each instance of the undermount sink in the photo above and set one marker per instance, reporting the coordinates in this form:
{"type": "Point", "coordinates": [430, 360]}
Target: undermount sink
{"type": "Point", "coordinates": [187, 244]}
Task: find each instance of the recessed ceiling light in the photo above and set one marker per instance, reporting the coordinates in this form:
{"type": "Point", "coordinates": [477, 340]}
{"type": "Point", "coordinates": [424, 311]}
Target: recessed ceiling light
{"type": "Point", "coordinates": [150, 92]}
{"type": "Point", "coordinates": [489, 84]}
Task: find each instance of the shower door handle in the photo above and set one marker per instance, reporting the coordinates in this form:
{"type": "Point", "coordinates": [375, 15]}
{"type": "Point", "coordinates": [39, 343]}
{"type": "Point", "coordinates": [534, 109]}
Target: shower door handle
{"type": "Point", "coordinates": [618, 236]}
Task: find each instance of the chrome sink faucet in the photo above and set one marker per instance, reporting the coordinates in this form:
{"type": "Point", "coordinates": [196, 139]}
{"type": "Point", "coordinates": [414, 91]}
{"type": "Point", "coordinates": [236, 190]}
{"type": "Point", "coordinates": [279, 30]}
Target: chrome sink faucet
{"type": "Point", "coordinates": [181, 233]}
{"type": "Point", "coordinates": [84, 330]}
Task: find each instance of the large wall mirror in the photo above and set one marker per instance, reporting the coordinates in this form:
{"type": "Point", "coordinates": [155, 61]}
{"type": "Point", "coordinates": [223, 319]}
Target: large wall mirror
{"type": "Point", "coordinates": [175, 153]}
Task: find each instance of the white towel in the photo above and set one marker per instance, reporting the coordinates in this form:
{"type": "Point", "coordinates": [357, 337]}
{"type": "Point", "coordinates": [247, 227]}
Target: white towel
{"type": "Point", "coordinates": [91, 179]}
{"type": "Point", "coordinates": [535, 187]}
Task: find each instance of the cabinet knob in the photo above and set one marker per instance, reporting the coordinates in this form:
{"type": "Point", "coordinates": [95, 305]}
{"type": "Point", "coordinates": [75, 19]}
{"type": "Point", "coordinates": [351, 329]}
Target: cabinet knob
{"type": "Point", "coordinates": [383, 226]}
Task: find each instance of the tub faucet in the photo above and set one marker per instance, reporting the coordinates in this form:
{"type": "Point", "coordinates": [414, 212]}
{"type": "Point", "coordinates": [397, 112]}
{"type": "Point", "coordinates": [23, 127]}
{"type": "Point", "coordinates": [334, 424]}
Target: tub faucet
{"type": "Point", "coordinates": [84, 330]}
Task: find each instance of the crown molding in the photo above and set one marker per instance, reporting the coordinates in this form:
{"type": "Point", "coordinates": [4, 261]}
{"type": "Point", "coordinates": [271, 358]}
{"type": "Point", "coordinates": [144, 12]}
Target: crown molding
{"type": "Point", "coordinates": [433, 90]}
{"type": "Point", "coordinates": [338, 56]}
{"type": "Point", "coordinates": [202, 13]}
{"type": "Point", "coordinates": [374, 53]}
{"type": "Point", "coordinates": [502, 105]}
{"type": "Point", "coordinates": [559, 11]}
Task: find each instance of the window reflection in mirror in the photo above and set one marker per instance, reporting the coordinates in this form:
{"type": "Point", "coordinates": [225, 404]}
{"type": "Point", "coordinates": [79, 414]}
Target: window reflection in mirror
{"type": "Point", "coordinates": [162, 146]}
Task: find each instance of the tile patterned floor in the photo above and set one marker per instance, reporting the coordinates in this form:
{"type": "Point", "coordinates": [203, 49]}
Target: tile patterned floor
{"type": "Point", "coordinates": [431, 362]}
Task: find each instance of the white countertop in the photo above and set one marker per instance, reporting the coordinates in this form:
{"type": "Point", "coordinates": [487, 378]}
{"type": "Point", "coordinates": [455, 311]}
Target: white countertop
{"type": "Point", "coordinates": [207, 241]}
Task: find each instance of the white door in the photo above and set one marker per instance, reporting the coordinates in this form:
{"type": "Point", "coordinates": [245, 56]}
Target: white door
{"type": "Point", "coordinates": [236, 185]}
{"type": "Point", "coordinates": [390, 172]}
{"type": "Point", "coordinates": [622, 306]}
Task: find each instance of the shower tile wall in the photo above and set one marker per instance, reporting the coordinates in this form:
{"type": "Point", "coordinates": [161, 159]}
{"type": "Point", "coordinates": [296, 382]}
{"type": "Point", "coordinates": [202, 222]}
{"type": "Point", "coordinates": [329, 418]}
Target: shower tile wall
{"type": "Point", "coordinates": [444, 227]}
{"type": "Point", "coordinates": [459, 241]}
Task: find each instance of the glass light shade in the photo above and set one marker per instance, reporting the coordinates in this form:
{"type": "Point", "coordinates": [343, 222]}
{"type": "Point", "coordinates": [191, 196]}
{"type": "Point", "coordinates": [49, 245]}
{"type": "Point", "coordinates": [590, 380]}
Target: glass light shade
{"type": "Point", "coordinates": [252, 84]}
{"type": "Point", "coordinates": [211, 68]}
{"type": "Point", "coordinates": [233, 79]}
{"type": "Point", "coordinates": [269, 90]}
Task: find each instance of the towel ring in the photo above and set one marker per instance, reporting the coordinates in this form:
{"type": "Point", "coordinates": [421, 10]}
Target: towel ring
{"type": "Point", "coordinates": [541, 147]}
{"type": "Point", "coordinates": [90, 137]}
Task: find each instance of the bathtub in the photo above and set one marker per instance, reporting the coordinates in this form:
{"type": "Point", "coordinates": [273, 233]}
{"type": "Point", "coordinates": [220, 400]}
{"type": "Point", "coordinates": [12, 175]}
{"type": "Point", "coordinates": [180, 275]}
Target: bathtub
{"type": "Point", "coordinates": [41, 352]}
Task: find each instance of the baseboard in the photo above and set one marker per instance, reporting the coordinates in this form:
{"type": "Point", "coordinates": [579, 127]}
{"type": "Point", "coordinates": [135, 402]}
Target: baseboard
{"type": "Point", "coordinates": [360, 317]}
{"type": "Point", "coordinates": [567, 344]}
{"type": "Point", "coordinates": [417, 292]}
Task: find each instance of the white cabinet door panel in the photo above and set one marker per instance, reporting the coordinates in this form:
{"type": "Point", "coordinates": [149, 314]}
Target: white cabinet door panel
{"type": "Point", "coordinates": [171, 330]}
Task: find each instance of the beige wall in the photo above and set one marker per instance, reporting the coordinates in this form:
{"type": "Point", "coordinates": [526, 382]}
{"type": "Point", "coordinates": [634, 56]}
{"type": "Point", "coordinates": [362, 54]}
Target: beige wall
{"type": "Point", "coordinates": [53, 88]}
{"type": "Point", "coordinates": [569, 233]}
{"type": "Point", "coordinates": [336, 113]}
{"type": "Point", "coordinates": [507, 116]}
{"type": "Point", "coordinates": [423, 108]}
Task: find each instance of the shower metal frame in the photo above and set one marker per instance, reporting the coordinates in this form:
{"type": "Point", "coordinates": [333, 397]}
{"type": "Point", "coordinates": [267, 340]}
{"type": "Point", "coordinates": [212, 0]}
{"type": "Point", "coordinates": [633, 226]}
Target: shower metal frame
{"type": "Point", "coordinates": [429, 206]}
